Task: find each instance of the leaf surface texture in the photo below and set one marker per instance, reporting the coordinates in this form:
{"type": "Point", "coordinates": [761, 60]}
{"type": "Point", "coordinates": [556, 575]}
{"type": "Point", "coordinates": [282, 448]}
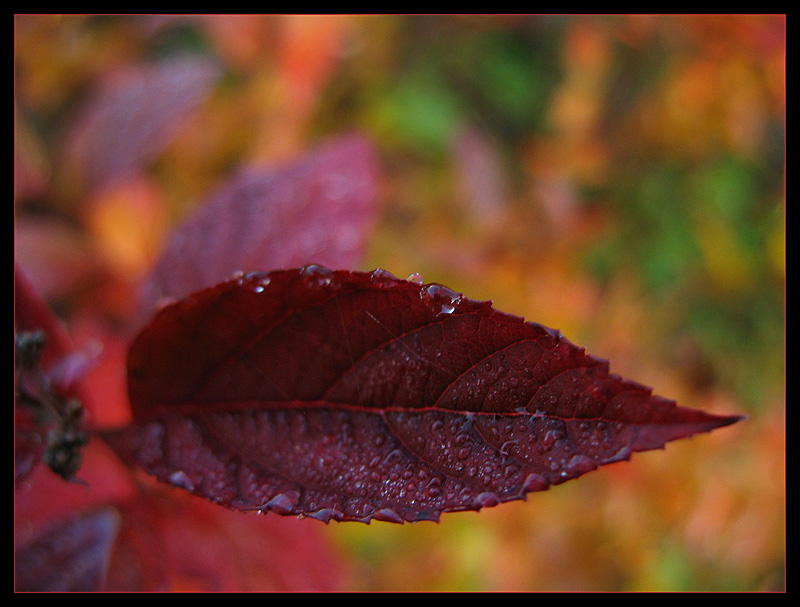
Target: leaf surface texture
{"type": "Point", "coordinates": [357, 396]}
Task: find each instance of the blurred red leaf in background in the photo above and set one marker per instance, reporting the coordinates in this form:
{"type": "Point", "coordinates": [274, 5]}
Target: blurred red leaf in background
{"type": "Point", "coordinates": [321, 209]}
{"type": "Point", "coordinates": [132, 115]}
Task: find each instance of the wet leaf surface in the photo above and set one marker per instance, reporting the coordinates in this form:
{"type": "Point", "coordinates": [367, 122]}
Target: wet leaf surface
{"type": "Point", "coordinates": [357, 396]}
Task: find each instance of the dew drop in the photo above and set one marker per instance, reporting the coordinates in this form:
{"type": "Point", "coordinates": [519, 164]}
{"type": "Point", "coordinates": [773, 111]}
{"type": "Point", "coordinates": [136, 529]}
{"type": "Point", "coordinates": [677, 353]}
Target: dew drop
{"type": "Point", "coordinates": [261, 283]}
{"type": "Point", "coordinates": [261, 278]}
{"type": "Point", "coordinates": [316, 277]}
{"type": "Point", "coordinates": [550, 437]}
{"type": "Point", "coordinates": [281, 503]}
{"type": "Point", "coordinates": [506, 447]}
{"type": "Point", "coordinates": [432, 492]}
{"type": "Point", "coordinates": [440, 299]}
{"type": "Point", "coordinates": [486, 500]}
{"type": "Point", "coordinates": [382, 277]}
{"type": "Point", "coordinates": [580, 464]}
{"type": "Point", "coordinates": [180, 479]}
{"type": "Point", "coordinates": [535, 482]}
{"type": "Point", "coordinates": [326, 514]}
{"type": "Point", "coordinates": [624, 453]}
{"type": "Point", "coordinates": [388, 515]}
{"type": "Point", "coordinates": [415, 277]}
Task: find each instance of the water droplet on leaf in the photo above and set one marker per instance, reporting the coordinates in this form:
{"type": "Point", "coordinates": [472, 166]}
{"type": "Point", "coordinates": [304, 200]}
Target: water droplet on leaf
{"type": "Point", "coordinates": [486, 500]}
{"type": "Point", "coordinates": [387, 514]}
{"type": "Point", "coordinates": [282, 503]}
{"type": "Point", "coordinates": [580, 464]}
{"type": "Point", "coordinates": [439, 299]}
{"type": "Point", "coordinates": [535, 482]}
{"type": "Point", "coordinates": [382, 277]}
{"type": "Point", "coordinates": [316, 277]}
{"type": "Point", "coordinates": [180, 479]}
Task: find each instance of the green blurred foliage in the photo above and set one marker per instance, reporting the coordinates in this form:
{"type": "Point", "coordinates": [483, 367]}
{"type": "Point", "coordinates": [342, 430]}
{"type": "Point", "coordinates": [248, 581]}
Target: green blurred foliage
{"type": "Point", "coordinates": [623, 180]}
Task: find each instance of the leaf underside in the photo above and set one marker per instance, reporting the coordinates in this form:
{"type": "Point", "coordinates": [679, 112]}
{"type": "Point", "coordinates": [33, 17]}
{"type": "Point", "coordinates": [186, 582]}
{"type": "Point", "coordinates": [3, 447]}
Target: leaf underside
{"type": "Point", "coordinates": [355, 396]}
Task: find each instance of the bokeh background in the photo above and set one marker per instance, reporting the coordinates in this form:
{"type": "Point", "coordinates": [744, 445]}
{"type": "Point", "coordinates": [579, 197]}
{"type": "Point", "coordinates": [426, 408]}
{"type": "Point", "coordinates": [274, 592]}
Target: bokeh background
{"type": "Point", "coordinates": [621, 178]}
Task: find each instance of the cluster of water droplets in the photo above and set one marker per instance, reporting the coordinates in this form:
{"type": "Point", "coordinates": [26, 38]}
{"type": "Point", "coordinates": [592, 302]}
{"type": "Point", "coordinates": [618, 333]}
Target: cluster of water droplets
{"type": "Point", "coordinates": [256, 281]}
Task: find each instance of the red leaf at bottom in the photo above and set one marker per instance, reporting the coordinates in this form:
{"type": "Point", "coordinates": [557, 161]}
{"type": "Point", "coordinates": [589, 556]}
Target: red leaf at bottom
{"type": "Point", "coordinates": [70, 556]}
{"type": "Point", "coordinates": [352, 396]}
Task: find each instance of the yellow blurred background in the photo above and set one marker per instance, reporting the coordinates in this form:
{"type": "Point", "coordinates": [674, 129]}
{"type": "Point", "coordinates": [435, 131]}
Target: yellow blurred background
{"type": "Point", "coordinates": [621, 178]}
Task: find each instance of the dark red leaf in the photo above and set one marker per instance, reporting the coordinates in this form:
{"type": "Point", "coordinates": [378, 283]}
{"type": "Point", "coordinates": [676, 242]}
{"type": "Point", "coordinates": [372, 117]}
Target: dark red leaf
{"type": "Point", "coordinates": [321, 208]}
{"type": "Point", "coordinates": [352, 396]}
